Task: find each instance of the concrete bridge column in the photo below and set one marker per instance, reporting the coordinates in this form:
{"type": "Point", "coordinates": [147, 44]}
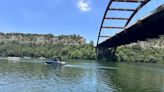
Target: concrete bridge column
{"type": "Point", "coordinates": [105, 54]}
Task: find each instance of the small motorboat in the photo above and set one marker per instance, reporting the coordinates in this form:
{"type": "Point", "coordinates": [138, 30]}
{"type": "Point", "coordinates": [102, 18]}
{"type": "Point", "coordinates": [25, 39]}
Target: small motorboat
{"type": "Point", "coordinates": [55, 61]}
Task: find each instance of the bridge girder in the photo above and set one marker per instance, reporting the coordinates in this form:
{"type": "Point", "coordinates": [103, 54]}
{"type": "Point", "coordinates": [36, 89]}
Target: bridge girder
{"type": "Point", "coordinates": [109, 8]}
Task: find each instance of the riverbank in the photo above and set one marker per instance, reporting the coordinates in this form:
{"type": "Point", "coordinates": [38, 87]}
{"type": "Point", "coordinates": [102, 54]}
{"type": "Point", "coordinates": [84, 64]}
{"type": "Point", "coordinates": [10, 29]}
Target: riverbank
{"type": "Point", "coordinates": [138, 54]}
{"type": "Point", "coordinates": [21, 58]}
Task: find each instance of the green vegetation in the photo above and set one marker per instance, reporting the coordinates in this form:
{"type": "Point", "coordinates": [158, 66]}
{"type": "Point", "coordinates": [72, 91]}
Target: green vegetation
{"type": "Point", "coordinates": [151, 51]}
{"type": "Point", "coordinates": [131, 54]}
{"type": "Point", "coordinates": [75, 47]}
{"type": "Point", "coordinates": [38, 45]}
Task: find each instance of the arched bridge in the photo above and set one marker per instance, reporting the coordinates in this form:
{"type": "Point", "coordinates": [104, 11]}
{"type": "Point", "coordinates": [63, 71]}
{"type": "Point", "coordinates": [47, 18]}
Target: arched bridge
{"type": "Point", "coordinates": [148, 27]}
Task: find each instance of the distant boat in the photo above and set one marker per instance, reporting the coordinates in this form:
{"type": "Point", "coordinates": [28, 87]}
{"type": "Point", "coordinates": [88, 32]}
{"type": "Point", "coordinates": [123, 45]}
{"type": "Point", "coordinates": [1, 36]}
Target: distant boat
{"type": "Point", "coordinates": [55, 61]}
{"type": "Point", "coordinates": [27, 57]}
{"type": "Point", "coordinates": [14, 58]}
{"type": "Point", "coordinates": [42, 58]}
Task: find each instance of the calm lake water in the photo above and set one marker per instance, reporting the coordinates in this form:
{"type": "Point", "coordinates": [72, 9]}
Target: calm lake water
{"type": "Point", "coordinates": [80, 76]}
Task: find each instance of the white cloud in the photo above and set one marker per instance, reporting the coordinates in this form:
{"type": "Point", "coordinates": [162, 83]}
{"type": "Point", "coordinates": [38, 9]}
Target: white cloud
{"type": "Point", "coordinates": [83, 5]}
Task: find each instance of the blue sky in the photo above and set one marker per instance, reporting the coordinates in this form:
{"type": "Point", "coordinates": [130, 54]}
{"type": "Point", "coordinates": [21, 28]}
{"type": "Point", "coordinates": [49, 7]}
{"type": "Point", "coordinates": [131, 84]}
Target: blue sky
{"type": "Point", "coordinates": [58, 16]}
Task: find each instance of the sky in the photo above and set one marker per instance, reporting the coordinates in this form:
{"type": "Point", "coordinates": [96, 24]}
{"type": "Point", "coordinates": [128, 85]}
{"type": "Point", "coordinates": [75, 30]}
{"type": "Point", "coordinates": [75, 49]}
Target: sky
{"type": "Point", "coordinates": [58, 17]}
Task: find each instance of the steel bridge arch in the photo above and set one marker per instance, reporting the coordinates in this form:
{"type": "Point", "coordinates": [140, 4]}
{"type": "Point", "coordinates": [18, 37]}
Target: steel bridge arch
{"type": "Point", "coordinates": [108, 9]}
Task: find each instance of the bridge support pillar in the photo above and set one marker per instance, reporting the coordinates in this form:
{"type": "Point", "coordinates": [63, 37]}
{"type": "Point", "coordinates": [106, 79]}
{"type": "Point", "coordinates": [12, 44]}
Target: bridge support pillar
{"type": "Point", "coordinates": [106, 54]}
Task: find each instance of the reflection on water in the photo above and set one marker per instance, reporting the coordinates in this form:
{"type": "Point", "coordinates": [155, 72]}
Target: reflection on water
{"type": "Point", "coordinates": [80, 76]}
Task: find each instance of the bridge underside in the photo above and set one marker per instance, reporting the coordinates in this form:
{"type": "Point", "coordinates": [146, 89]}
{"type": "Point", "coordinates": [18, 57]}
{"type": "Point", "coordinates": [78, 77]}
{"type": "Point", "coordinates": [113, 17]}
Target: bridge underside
{"type": "Point", "coordinates": [149, 27]}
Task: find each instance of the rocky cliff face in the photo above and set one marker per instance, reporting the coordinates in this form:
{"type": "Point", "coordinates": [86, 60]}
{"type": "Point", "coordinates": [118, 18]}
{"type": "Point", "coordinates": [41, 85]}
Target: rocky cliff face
{"type": "Point", "coordinates": [41, 39]}
{"type": "Point", "coordinates": [150, 43]}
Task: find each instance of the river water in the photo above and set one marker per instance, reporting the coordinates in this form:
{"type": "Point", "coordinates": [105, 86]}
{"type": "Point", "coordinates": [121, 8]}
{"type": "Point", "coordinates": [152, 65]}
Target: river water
{"type": "Point", "coordinates": [80, 76]}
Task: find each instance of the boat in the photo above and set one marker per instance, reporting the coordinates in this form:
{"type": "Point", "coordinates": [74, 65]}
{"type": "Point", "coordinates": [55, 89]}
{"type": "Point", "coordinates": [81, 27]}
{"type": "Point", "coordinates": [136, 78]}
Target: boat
{"type": "Point", "coordinates": [55, 61]}
{"type": "Point", "coordinates": [14, 58]}
{"type": "Point", "coordinates": [42, 58]}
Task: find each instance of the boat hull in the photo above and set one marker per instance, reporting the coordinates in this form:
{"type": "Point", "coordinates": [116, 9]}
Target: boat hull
{"type": "Point", "coordinates": [55, 63]}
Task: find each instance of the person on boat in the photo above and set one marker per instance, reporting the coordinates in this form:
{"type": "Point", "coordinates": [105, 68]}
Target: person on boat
{"type": "Point", "coordinates": [56, 59]}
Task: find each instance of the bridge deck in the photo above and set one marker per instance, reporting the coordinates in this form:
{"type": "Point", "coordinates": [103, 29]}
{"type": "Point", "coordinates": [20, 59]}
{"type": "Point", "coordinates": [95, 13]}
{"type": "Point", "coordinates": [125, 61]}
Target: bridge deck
{"type": "Point", "coordinates": [151, 26]}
